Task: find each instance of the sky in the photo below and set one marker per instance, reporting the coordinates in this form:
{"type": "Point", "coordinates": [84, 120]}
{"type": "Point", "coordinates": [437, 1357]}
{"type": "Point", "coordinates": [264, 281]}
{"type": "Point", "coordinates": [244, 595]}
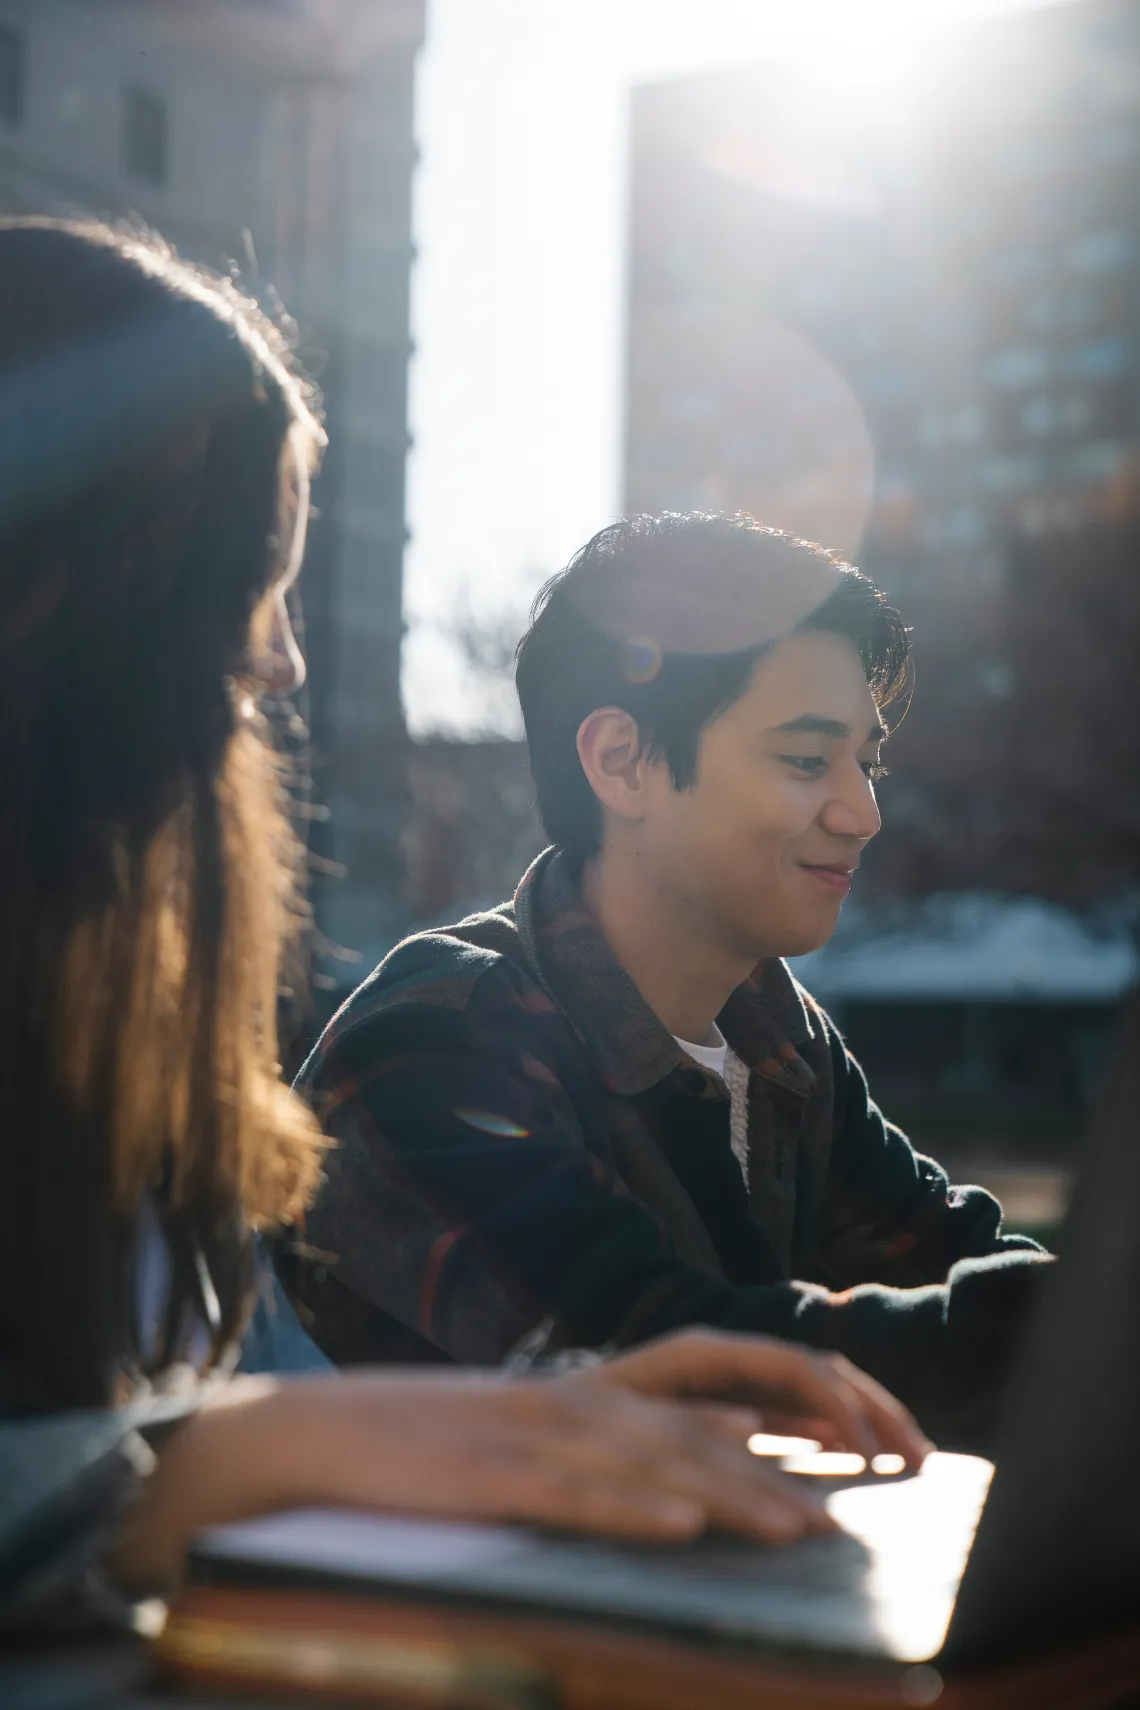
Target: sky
{"type": "Point", "coordinates": [518, 288]}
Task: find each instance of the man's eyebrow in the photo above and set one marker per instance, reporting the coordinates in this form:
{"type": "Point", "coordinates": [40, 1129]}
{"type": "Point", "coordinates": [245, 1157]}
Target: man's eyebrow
{"type": "Point", "coordinates": [814, 724]}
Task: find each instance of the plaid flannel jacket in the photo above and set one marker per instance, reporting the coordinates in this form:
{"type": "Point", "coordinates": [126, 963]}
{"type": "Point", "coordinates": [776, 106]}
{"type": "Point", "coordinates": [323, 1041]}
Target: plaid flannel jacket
{"type": "Point", "coordinates": [526, 1156]}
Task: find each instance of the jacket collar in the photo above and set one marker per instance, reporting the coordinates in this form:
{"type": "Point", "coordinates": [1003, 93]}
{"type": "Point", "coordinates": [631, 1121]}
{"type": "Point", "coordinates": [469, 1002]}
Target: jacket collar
{"type": "Point", "coordinates": [764, 1020]}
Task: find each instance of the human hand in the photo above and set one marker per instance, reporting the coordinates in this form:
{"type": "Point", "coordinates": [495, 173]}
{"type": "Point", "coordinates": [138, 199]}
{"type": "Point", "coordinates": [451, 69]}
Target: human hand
{"type": "Point", "coordinates": [592, 1456]}
{"type": "Point", "coordinates": [649, 1446]}
{"type": "Point", "coordinates": [773, 1386]}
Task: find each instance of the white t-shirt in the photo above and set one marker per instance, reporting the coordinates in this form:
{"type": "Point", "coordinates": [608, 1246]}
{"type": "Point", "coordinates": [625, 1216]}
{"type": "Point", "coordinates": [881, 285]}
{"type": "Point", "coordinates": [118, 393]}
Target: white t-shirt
{"type": "Point", "coordinates": [724, 1062]}
{"type": "Point", "coordinates": [708, 1056]}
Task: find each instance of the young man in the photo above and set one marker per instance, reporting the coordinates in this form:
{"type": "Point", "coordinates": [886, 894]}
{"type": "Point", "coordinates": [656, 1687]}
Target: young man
{"type": "Point", "coordinates": [606, 1109]}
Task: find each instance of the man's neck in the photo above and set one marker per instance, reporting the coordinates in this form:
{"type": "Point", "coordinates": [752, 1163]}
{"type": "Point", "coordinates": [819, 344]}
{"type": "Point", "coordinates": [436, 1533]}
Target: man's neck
{"type": "Point", "coordinates": [684, 977]}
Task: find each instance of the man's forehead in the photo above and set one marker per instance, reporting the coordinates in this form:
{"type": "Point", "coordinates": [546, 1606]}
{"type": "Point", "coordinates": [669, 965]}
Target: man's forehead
{"type": "Point", "coordinates": [814, 674]}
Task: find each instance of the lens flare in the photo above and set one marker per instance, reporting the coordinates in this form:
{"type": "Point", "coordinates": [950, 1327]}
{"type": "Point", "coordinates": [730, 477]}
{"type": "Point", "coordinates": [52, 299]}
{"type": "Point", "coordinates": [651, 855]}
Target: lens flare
{"type": "Point", "coordinates": [641, 659]}
{"type": "Point", "coordinates": [488, 1123]}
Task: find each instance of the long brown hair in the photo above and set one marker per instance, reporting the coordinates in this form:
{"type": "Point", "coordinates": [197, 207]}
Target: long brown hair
{"type": "Point", "coordinates": [150, 420]}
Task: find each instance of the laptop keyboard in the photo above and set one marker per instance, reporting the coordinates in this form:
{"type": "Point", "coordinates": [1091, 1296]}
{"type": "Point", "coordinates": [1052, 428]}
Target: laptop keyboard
{"type": "Point", "coordinates": [837, 1563]}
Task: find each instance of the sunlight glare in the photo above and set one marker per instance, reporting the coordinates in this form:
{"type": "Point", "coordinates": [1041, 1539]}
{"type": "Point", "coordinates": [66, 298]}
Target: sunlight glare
{"type": "Point", "coordinates": [770, 1446]}
{"type": "Point", "coordinates": [865, 56]}
{"type": "Point", "coordinates": [518, 293]}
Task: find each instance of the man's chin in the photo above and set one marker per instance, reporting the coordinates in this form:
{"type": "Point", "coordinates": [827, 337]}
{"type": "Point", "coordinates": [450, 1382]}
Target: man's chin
{"type": "Point", "coordinates": [802, 939]}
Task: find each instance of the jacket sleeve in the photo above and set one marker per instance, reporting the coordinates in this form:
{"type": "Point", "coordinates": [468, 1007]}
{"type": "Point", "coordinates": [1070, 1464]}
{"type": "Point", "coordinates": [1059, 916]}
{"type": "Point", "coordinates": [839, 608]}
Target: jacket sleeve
{"type": "Point", "coordinates": [464, 1199]}
{"type": "Point", "coordinates": [275, 1342]}
{"type": "Point", "coordinates": [68, 1479]}
{"type": "Point", "coordinates": [66, 1482]}
{"type": "Point", "coordinates": [889, 1213]}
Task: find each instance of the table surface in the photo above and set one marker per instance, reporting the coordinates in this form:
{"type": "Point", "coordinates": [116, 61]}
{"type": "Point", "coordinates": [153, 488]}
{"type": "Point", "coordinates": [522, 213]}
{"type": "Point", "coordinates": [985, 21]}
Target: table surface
{"type": "Point", "coordinates": [117, 1675]}
{"type": "Point", "coordinates": [114, 1675]}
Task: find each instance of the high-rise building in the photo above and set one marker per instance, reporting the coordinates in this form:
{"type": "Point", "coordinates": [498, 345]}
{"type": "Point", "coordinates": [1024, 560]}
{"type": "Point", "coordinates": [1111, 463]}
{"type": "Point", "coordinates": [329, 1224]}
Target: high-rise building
{"type": "Point", "coordinates": [277, 134]}
{"type": "Point", "coordinates": [902, 341]}
{"type": "Point", "coordinates": [917, 341]}
{"type": "Point", "coordinates": [755, 346]}
{"type": "Point", "coordinates": [1031, 223]}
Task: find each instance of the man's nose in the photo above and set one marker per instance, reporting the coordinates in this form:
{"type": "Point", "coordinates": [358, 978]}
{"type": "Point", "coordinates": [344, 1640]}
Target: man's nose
{"type": "Point", "coordinates": [285, 672]}
{"type": "Point", "coordinates": [285, 666]}
{"type": "Point", "coordinates": [853, 811]}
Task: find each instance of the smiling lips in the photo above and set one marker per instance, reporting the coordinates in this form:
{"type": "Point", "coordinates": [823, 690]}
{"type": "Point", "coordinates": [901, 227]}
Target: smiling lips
{"type": "Point", "coordinates": [836, 878]}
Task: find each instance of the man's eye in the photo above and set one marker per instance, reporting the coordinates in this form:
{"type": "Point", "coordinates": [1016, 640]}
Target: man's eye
{"type": "Point", "coordinates": [809, 765]}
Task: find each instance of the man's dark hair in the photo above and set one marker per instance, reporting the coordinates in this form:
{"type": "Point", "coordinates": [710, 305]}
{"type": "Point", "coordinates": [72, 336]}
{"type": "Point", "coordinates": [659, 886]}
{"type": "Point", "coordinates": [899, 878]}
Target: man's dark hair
{"type": "Point", "coordinates": [569, 664]}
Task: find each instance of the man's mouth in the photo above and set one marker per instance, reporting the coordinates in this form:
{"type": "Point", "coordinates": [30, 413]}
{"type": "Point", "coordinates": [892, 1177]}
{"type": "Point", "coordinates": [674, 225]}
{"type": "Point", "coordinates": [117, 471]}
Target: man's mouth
{"type": "Point", "coordinates": [836, 876]}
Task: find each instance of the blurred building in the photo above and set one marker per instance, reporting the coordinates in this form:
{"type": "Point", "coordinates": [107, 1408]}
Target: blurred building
{"type": "Point", "coordinates": [916, 337]}
{"type": "Point", "coordinates": [756, 337]}
{"type": "Point", "coordinates": [473, 828]}
{"type": "Point", "coordinates": [901, 340]}
{"type": "Point", "coordinates": [277, 134]}
{"type": "Point", "coordinates": [1028, 227]}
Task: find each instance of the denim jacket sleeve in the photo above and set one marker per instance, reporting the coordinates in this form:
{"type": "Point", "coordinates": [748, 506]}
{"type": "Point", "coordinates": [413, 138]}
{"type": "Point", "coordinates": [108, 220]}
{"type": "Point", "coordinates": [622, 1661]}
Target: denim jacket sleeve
{"type": "Point", "coordinates": [66, 1481]}
{"type": "Point", "coordinates": [274, 1339]}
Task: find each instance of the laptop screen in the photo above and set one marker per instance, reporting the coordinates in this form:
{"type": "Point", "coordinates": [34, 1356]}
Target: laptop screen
{"type": "Point", "coordinates": [1058, 1548]}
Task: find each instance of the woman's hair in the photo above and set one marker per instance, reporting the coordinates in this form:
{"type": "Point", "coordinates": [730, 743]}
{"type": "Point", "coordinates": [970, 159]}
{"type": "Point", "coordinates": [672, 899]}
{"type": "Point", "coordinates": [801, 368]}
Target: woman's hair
{"type": "Point", "coordinates": [151, 435]}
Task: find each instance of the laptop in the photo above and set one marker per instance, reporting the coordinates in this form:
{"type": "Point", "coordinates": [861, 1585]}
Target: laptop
{"type": "Point", "coordinates": [960, 1568]}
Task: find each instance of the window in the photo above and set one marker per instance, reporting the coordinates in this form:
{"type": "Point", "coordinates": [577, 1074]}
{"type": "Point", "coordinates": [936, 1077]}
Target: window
{"type": "Point", "coordinates": [1099, 359]}
{"type": "Point", "coordinates": [886, 384]}
{"type": "Point", "coordinates": [1038, 416]}
{"type": "Point", "coordinates": [376, 475]}
{"type": "Point", "coordinates": [1097, 252]}
{"type": "Point", "coordinates": [1117, 139]}
{"type": "Point", "coordinates": [1006, 474]}
{"type": "Point", "coordinates": [965, 526]}
{"type": "Point", "coordinates": [11, 75]}
{"type": "Point", "coordinates": [1020, 264]}
{"type": "Point", "coordinates": [1099, 461]}
{"type": "Point", "coordinates": [146, 137]}
{"type": "Point", "coordinates": [932, 427]}
{"type": "Point", "coordinates": [1040, 311]}
{"type": "Point", "coordinates": [378, 377]}
{"type": "Point", "coordinates": [695, 404]}
{"type": "Point", "coordinates": [1074, 413]}
{"type": "Point", "coordinates": [1081, 307]}
{"type": "Point", "coordinates": [1017, 365]}
{"type": "Point", "coordinates": [966, 423]}
{"type": "Point", "coordinates": [962, 525]}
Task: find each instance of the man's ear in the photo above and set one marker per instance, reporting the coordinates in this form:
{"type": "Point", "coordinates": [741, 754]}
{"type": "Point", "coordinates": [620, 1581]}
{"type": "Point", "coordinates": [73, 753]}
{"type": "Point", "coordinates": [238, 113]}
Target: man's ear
{"type": "Point", "coordinates": [609, 747]}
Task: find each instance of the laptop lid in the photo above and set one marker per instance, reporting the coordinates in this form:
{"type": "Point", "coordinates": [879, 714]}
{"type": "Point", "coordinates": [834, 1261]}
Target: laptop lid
{"type": "Point", "coordinates": [1058, 1547]}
